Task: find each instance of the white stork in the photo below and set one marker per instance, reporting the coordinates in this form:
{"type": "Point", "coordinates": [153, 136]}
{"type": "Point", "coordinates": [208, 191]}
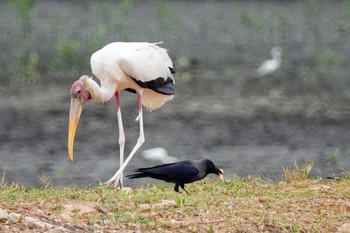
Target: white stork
{"type": "Point", "coordinates": [139, 67]}
{"type": "Point", "coordinates": [270, 66]}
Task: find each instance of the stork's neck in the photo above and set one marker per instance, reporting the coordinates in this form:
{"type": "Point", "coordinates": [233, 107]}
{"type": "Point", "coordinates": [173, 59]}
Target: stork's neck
{"type": "Point", "coordinates": [98, 93]}
{"type": "Point", "coordinates": [277, 57]}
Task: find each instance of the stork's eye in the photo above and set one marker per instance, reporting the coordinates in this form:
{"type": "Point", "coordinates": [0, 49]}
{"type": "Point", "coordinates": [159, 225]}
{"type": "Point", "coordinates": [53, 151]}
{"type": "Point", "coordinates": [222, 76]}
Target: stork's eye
{"type": "Point", "coordinates": [79, 91]}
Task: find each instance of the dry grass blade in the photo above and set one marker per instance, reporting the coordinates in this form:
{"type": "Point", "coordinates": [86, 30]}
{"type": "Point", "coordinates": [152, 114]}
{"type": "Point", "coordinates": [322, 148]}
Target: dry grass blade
{"type": "Point", "coordinates": [308, 168]}
{"type": "Point", "coordinates": [44, 179]}
{"type": "Point", "coordinates": [2, 182]}
{"type": "Point", "coordinates": [297, 174]}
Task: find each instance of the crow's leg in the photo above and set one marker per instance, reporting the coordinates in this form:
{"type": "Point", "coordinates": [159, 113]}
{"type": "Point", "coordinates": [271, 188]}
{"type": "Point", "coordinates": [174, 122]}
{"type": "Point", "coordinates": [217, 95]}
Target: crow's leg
{"type": "Point", "coordinates": [176, 188]}
{"type": "Point", "coordinates": [183, 187]}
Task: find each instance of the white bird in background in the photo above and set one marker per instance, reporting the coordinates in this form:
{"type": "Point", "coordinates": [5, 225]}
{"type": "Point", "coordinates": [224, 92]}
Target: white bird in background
{"type": "Point", "coordinates": [158, 155]}
{"type": "Point", "coordinates": [139, 67]}
{"type": "Point", "coordinates": [270, 66]}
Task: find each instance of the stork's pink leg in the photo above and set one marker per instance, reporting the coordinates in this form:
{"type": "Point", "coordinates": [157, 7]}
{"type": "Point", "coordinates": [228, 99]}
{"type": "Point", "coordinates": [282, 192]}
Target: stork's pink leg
{"type": "Point", "coordinates": [121, 140]}
{"type": "Point", "coordinates": [121, 135]}
{"type": "Point", "coordinates": [118, 175]}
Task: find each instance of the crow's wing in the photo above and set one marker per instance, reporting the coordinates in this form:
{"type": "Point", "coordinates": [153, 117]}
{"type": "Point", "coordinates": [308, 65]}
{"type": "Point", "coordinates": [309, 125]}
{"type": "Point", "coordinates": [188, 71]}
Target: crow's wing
{"type": "Point", "coordinates": [179, 172]}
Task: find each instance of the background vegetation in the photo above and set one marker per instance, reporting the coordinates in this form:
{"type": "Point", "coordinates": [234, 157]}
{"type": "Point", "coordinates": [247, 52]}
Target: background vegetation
{"type": "Point", "coordinates": [45, 40]}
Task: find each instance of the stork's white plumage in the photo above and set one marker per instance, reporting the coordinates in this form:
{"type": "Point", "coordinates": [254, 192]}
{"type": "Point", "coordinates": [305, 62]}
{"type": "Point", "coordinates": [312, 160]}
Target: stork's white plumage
{"type": "Point", "coordinates": [270, 66]}
{"type": "Point", "coordinates": [140, 67]}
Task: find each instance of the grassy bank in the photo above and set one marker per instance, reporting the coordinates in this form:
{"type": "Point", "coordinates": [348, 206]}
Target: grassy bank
{"type": "Point", "coordinates": [237, 205]}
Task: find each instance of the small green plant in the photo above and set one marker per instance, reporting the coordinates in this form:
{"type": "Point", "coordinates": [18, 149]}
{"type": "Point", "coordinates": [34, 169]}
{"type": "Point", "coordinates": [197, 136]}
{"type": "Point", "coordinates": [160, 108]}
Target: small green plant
{"type": "Point", "coordinates": [325, 57]}
{"type": "Point", "coordinates": [345, 175]}
{"type": "Point", "coordinates": [211, 229]}
{"type": "Point", "coordinates": [335, 155]}
{"type": "Point", "coordinates": [180, 201]}
{"type": "Point", "coordinates": [59, 172]}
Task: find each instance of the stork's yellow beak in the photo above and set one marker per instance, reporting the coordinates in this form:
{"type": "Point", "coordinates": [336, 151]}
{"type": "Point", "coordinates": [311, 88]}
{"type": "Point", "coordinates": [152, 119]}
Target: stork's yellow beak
{"type": "Point", "coordinates": [74, 116]}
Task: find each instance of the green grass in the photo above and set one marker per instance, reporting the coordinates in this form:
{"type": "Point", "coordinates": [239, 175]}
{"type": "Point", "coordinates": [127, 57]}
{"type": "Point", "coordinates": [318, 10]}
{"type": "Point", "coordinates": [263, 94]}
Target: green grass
{"type": "Point", "coordinates": [237, 205]}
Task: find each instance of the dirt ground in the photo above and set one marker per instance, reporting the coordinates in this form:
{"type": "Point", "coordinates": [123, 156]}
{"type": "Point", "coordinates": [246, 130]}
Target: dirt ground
{"type": "Point", "coordinates": [255, 135]}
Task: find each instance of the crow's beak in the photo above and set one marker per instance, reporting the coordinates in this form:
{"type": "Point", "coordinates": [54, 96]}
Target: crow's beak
{"type": "Point", "coordinates": [220, 173]}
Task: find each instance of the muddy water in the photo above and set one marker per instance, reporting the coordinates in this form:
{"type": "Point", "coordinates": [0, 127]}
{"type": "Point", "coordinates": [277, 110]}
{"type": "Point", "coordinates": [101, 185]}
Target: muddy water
{"type": "Point", "coordinates": [244, 139]}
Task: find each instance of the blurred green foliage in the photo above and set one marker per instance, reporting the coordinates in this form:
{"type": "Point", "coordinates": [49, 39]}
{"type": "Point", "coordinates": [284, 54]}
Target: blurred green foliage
{"type": "Point", "coordinates": [25, 59]}
{"type": "Point", "coordinates": [47, 38]}
{"type": "Point", "coordinates": [23, 10]}
{"type": "Point", "coordinates": [325, 57]}
{"type": "Point", "coordinates": [121, 20]}
{"type": "Point", "coordinates": [67, 55]}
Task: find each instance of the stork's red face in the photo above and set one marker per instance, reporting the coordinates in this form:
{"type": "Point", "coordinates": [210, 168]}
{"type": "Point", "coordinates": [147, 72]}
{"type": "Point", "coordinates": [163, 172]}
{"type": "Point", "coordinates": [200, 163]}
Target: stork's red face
{"type": "Point", "coordinates": [79, 96]}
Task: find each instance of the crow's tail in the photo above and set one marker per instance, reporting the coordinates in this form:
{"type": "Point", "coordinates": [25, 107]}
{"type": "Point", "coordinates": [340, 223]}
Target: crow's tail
{"type": "Point", "coordinates": [137, 175]}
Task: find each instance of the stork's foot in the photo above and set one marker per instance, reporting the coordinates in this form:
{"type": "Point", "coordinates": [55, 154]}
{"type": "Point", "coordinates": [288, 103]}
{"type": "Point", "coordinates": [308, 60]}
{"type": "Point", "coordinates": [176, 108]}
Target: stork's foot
{"type": "Point", "coordinates": [116, 180]}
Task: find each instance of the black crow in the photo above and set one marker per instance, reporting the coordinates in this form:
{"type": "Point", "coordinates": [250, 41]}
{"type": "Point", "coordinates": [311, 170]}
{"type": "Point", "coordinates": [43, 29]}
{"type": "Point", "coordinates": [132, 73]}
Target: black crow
{"type": "Point", "coordinates": [180, 173]}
